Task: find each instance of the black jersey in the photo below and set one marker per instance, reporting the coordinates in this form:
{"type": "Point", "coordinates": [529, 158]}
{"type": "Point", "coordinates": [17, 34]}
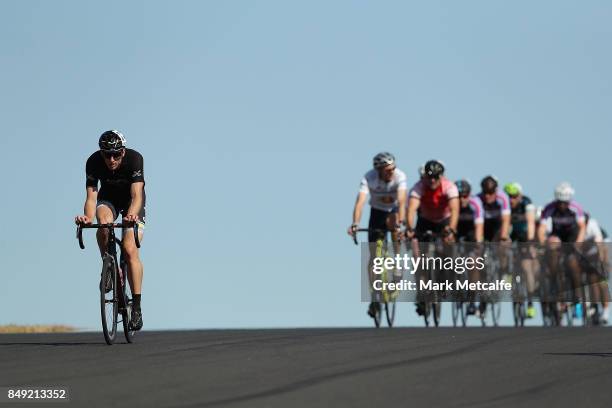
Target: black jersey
{"type": "Point", "coordinates": [115, 185]}
{"type": "Point", "coordinates": [519, 219]}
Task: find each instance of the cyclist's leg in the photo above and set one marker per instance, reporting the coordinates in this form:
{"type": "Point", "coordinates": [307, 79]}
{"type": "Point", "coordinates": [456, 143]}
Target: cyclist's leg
{"type": "Point", "coordinates": [576, 276]}
{"type": "Point", "coordinates": [105, 214]}
{"type": "Point", "coordinates": [377, 222]}
{"type": "Point", "coordinates": [390, 224]}
{"type": "Point", "coordinates": [422, 274]}
{"type": "Point", "coordinates": [502, 252]}
{"type": "Point", "coordinates": [132, 254]}
{"type": "Point", "coordinates": [553, 254]}
{"type": "Point", "coordinates": [132, 257]}
{"type": "Point", "coordinates": [530, 272]}
{"type": "Point", "coordinates": [605, 300]}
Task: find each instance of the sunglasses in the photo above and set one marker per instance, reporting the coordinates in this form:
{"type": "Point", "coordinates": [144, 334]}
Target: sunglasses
{"type": "Point", "coordinates": [388, 171]}
{"type": "Point", "coordinates": [114, 155]}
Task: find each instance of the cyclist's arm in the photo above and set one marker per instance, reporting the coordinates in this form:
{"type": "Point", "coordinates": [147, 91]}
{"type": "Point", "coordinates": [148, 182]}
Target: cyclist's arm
{"type": "Point", "coordinates": [531, 225]}
{"type": "Point", "coordinates": [401, 200]}
{"type": "Point", "coordinates": [413, 206]}
{"type": "Point", "coordinates": [479, 232]}
{"type": "Point", "coordinates": [136, 191]}
{"type": "Point", "coordinates": [90, 202]}
{"type": "Point", "coordinates": [542, 231]}
{"type": "Point", "coordinates": [505, 227]}
{"type": "Point", "coordinates": [581, 231]}
{"type": "Point", "coordinates": [359, 203]}
{"type": "Point", "coordinates": [454, 216]}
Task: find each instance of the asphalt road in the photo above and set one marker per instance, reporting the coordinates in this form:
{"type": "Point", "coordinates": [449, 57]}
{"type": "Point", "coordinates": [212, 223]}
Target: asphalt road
{"type": "Point", "coordinates": [471, 367]}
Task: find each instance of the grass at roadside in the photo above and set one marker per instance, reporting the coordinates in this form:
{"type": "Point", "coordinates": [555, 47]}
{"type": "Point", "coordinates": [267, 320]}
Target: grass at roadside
{"type": "Point", "coordinates": [39, 328]}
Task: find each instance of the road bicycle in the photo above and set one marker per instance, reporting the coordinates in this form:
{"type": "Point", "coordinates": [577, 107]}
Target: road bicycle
{"type": "Point", "coordinates": [113, 283]}
{"type": "Point", "coordinates": [385, 297]}
{"type": "Point", "coordinates": [492, 299]}
{"type": "Point", "coordinates": [519, 284]}
{"type": "Point", "coordinates": [431, 244]}
{"type": "Point", "coordinates": [461, 297]}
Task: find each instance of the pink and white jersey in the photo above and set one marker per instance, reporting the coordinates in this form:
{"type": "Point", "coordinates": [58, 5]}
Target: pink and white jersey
{"type": "Point", "coordinates": [476, 206]}
{"type": "Point", "coordinates": [562, 221]}
{"type": "Point", "coordinates": [497, 208]}
{"type": "Point", "coordinates": [434, 203]}
{"type": "Point", "coordinates": [383, 195]}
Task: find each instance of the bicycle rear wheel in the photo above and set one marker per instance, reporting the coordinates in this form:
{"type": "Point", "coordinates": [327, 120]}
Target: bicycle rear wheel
{"type": "Point", "coordinates": [518, 310]}
{"type": "Point", "coordinates": [455, 308]}
{"type": "Point", "coordinates": [377, 316]}
{"type": "Point", "coordinates": [463, 312]}
{"type": "Point", "coordinates": [390, 312]}
{"type": "Point", "coordinates": [569, 314]}
{"type": "Point", "coordinates": [126, 306]}
{"type": "Point", "coordinates": [127, 330]}
{"type": "Point", "coordinates": [108, 301]}
{"type": "Point", "coordinates": [426, 311]}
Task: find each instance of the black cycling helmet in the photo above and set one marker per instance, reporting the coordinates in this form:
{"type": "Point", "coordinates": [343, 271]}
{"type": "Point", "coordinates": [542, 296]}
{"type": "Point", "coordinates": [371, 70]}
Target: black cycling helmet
{"type": "Point", "coordinates": [433, 168]}
{"type": "Point", "coordinates": [489, 184]}
{"type": "Point", "coordinates": [464, 187]}
{"type": "Point", "coordinates": [383, 160]}
{"type": "Point", "coordinates": [112, 141]}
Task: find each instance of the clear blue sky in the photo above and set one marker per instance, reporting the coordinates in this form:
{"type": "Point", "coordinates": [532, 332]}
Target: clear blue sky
{"type": "Point", "coordinates": [257, 120]}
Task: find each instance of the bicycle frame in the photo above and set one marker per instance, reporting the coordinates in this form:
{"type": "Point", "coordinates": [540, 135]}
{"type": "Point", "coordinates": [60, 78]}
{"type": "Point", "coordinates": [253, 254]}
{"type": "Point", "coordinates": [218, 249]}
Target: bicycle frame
{"type": "Point", "coordinates": [386, 297]}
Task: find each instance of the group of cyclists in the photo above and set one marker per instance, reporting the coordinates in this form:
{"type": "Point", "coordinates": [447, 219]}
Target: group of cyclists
{"type": "Point", "coordinates": [573, 242]}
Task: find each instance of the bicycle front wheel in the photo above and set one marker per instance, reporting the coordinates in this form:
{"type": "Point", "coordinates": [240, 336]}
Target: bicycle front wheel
{"type": "Point", "coordinates": [495, 313]}
{"type": "Point", "coordinates": [435, 308]}
{"type": "Point", "coordinates": [108, 300]}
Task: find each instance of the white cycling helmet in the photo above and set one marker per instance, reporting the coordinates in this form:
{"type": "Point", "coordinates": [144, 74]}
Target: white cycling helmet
{"type": "Point", "coordinates": [564, 192]}
{"type": "Point", "coordinates": [383, 160]}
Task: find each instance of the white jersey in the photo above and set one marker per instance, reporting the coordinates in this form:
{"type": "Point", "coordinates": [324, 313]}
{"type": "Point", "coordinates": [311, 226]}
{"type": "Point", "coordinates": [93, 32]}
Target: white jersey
{"type": "Point", "coordinates": [383, 195]}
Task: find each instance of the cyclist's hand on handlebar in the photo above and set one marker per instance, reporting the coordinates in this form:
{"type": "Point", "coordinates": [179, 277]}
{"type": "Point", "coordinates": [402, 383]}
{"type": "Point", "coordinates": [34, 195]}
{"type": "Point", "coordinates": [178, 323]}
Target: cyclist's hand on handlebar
{"type": "Point", "coordinates": [409, 234]}
{"type": "Point", "coordinates": [131, 218]}
{"type": "Point", "coordinates": [82, 219]}
{"type": "Point", "coordinates": [448, 234]}
{"type": "Point", "coordinates": [352, 230]}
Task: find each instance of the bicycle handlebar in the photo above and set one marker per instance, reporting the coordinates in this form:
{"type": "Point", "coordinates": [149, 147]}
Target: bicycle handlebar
{"type": "Point", "coordinates": [133, 225]}
{"type": "Point", "coordinates": [365, 230]}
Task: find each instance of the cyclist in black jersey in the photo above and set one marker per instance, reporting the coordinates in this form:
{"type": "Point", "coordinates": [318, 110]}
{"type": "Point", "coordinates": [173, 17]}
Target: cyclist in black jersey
{"type": "Point", "coordinates": [523, 228]}
{"type": "Point", "coordinates": [121, 175]}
